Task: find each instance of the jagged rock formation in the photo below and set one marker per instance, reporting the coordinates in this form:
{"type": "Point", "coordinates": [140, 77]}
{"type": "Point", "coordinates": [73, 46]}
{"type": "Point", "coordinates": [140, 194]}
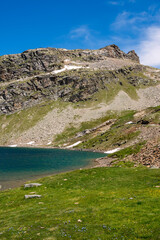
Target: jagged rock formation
{"type": "Point", "coordinates": [33, 62]}
{"type": "Point", "coordinates": [113, 51]}
{"type": "Point", "coordinates": [31, 77]}
{"type": "Point", "coordinates": [74, 86]}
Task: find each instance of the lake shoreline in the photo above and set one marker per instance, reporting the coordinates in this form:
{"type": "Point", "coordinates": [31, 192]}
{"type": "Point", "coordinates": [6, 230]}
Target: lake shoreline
{"type": "Point", "coordinates": [18, 181]}
{"type": "Point", "coordinates": [47, 147]}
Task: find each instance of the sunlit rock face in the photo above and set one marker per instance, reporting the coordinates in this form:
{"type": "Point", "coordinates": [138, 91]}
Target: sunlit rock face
{"type": "Point", "coordinates": [28, 78]}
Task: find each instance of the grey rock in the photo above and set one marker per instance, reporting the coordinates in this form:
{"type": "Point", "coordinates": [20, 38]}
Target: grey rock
{"type": "Point", "coordinates": [33, 80]}
{"type": "Point", "coordinates": [32, 196]}
{"type": "Point", "coordinates": [154, 167]}
{"type": "Point", "coordinates": [113, 51]}
{"type": "Point", "coordinates": [30, 185]}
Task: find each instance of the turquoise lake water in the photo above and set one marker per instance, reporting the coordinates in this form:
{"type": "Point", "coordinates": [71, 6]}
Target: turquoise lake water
{"type": "Point", "coordinates": [19, 164]}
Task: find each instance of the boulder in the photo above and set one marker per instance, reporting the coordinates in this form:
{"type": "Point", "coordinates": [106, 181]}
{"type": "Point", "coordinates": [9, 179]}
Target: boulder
{"type": "Point", "coordinates": [32, 196]}
{"type": "Point", "coordinates": [30, 185]}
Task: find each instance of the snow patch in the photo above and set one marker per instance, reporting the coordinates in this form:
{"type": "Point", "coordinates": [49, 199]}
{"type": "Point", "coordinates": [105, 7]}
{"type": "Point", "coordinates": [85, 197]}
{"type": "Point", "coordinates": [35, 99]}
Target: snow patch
{"type": "Point", "coordinates": [67, 67]}
{"type": "Point", "coordinates": [73, 145]}
{"type": "Point", "coordinates": [30, 143]}
{"type": "Point", "coordinates": [129, 122]}
{"type": "Point", "coordinates": [113, 151]}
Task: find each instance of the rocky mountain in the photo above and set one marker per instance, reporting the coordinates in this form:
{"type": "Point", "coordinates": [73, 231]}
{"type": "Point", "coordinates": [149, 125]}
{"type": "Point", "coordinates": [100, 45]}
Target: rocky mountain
{"type": "Point", "coordinates": [53, 97]}
{"type": "Point", "coordinates": [42, 60]}
{"type": "Point", "coordinates": [71, 75]}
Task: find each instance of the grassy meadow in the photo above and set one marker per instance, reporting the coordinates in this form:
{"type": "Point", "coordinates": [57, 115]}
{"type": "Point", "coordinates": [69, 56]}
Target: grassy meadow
{"type": "Point", "coordinates": [99, 203]}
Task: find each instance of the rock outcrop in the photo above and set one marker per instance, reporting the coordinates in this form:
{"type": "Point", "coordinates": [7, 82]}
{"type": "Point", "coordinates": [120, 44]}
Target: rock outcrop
{"type": "Point", "coordinates": [149, 155]}
{"type": "Point", "coordinates": [29, 63]}
{"type": "Point", "coordinates": [31, 77]}
{"type": "Point", "coordinates": [71, 86]}
{"type": "Point", "coordinates": [37, 61]}
{"type": "Point", "coordinates": [114, 51]}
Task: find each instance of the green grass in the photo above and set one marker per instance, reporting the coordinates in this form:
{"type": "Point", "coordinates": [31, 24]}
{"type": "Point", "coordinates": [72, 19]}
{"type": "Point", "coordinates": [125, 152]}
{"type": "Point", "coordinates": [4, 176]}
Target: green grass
{"type": "Point", "coordinates": [124, 163]}
{"type": "Point", "coordinates": [112, 138]}
{"type": "Point", "coordinates": [16, 123]}
{"type": "Point", "coordinates": [153, 115]}
{"type": "Point", "coordinates": [112, 203]}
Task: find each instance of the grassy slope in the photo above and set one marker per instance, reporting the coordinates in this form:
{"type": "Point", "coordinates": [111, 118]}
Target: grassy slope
{"type": "Point", "coordinates": [112, 203]}
{"type": "Point", "coordinates": [119, 133]}
{"type": "Point", "coordinates": [71, 131]}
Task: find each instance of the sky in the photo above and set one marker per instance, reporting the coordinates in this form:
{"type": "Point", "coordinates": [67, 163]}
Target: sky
{"type": "Point", "coordinates": [82, 24]}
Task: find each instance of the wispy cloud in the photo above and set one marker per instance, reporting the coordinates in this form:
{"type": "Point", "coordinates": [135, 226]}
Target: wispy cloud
{"type": "Point", "coordinates": [120, 3]}
{"type": "Point", "coordinates": [139, 31]}
{"type": "Point", "coordinates": [149, 47]}
{"type": "Point", "coordinates": [116, 3]}
{"type": "Point", "coordinates": [129, 19]}
{"type": "Point", "coordinates": [81, 32]}
{"type": "Point", "coordinates": [87, 36]}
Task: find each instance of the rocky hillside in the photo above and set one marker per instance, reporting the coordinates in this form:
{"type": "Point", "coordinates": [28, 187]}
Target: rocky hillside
{"type": "Point", "coordinates": [71, 75]}
{"type": "Point", "coordinates": [42, 60]}
{"type": "Point", "coordinates": [44, 92]}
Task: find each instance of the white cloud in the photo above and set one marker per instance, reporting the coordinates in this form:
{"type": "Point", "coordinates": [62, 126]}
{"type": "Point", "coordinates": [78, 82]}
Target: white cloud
{"type": "Point", "coordinates": [149, 47]}
{"type": "Point", "coordinates": [129, 19]}
{"type": "Point", "coordinates": [116, 3]}
{"type": "Point", "coordinates": [81, 32]}
{"type": "Point", "coordinates": [120, 3]}
{"type": "Point", "coordinates": [87, 37]}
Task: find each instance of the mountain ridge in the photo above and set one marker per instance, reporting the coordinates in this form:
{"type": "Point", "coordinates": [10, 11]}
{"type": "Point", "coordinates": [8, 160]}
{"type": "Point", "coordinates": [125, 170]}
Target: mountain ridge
{"type": "Point", "coordinates": [43, 92]}
{"type": "Point", "coordinates": [71, 75]}
{"type": "Point", "coordinates": [49, 59]}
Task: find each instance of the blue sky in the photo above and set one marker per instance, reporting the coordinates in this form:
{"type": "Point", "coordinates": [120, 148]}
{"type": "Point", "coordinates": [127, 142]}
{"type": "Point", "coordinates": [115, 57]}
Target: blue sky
{"type": "Point", "coordinates": [132, 24]}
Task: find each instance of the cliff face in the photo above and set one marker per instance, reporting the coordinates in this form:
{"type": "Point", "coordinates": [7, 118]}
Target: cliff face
{"type": "Point", "coordinates": [71, 75]}
{"type": "Point", "coordinates": [114, 51]}
{"type": "Point", "coordinates": [28, 63]}
{"type": "Point", "coordinates": [71, 86]}
{"type": "Point", "coordinates": [33, 62]}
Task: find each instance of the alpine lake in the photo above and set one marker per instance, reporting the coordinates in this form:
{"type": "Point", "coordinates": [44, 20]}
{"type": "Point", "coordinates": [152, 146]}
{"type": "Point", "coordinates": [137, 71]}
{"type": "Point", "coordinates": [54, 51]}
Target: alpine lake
{"type": "Point", "coordinates": [18, 165]}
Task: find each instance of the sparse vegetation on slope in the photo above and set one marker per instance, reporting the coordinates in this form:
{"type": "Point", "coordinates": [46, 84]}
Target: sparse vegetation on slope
{"type": "Point", "coordinates": [116, 135]}
{"type": "Point", "coordinates": [127, 151]}
{"type": "Point", "coordinates": [15, 124]}
{"type": "Point", "coordinates": [71, 131]}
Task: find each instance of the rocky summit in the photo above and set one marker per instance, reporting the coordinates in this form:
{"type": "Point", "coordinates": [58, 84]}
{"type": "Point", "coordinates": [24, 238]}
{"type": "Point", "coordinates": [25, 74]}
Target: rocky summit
{"type": "Point", "coordinates": [42, 60]}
